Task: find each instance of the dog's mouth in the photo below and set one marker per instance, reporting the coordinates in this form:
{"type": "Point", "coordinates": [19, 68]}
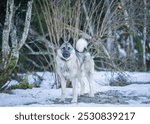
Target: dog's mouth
{"type": "Point", "coordinates": [66, 54]}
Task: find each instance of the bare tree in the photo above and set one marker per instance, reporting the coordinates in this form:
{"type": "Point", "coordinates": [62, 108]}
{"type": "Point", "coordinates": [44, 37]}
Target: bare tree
{"type": "Point", "coordinates": [11, 43]}
{"type": "Point", "coordinates": [145, 34]}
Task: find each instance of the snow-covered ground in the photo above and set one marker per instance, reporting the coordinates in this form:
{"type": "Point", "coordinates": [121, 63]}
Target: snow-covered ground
{"type": "Point", "coordinates": [135, 94]}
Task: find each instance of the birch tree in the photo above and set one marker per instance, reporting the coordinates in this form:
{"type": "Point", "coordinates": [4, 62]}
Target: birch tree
{"type": "Point", "coordinates": [145, 34]}
{"type": "Point", "coordinates": [11, 43]}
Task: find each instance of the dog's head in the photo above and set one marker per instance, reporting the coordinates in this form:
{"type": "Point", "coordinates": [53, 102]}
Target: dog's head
{"type": "Point", "coordinates": [66, 50]}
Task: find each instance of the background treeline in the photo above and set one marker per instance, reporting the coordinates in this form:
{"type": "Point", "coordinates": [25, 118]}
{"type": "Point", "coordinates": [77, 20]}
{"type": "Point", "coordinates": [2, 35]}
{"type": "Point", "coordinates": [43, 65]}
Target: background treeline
{"type": "Point", "coordinates": [118, 33]}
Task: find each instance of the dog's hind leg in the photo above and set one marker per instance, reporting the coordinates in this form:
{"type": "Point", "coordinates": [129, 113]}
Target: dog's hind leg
{"type": "Point", "coordinates": [90, 80]}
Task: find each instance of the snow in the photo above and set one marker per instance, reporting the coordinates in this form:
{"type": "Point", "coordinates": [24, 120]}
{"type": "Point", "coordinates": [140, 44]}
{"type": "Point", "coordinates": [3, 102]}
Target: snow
{"type": "Point", "coordinates": [47, 79]}
{"type": "Point", "coordinates": [140, 77]}
{"type": "Point", "coordinates": [135, 94]}
{"type": "Point", "coordinates": [122, 52]}
{"type": "Point", "coordinates": [148, 56]}
{"type": "Point", "coordinates": [10, 83]}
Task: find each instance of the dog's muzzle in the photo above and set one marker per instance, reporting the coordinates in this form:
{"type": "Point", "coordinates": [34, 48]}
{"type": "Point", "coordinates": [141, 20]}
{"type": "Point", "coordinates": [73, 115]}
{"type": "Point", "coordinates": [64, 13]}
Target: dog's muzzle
{"type": "Point", "coordinates": [66, 54]}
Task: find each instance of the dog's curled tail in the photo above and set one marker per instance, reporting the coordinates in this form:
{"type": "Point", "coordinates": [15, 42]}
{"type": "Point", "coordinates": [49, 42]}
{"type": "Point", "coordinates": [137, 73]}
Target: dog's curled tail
{"type": "Point", "coordinates": [81, 45]}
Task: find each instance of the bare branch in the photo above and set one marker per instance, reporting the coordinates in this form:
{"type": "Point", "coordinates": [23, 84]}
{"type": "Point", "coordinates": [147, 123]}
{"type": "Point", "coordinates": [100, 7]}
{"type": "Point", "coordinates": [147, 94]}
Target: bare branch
{"type": "Point", "coordinates": [27, 25]}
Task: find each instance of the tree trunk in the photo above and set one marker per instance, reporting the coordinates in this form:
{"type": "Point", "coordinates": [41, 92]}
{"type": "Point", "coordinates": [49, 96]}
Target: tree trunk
{"type": "Point", "coordinates": [6, 32]}
{"type": "Point", "coordinates": [10, 54]}
{"type": "Point", "coordinates": [7, 71]}
{"type": "Point", "coordinates": [144, 33]}
{"type": "Point", "coordinates": [130, 26]}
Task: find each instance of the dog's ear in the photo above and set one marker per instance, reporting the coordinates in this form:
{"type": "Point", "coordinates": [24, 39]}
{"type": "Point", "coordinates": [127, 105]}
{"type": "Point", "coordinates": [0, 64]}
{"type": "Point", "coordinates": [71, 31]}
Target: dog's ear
{"type": "Point", "coordinates": [61, 41]}
{"type": "Point", "coordinates": [71, 41]}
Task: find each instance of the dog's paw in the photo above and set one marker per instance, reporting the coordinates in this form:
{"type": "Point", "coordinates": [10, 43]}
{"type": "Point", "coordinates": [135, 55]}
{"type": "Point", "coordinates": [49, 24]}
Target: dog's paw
{"type": "Point", "coordinates": [62, 100]}
{"type": "Point", "coordinates": [74, 101]}
{"type": "Point", "coordinates": [91, 95]}
{"type": "Point", "coordinates": [81, 94]}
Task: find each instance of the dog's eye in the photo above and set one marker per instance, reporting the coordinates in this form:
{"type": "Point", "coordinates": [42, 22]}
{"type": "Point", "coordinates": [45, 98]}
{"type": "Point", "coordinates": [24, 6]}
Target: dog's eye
{"type": "Point", "coordinates": [69, 48]}
{"type": "Point", "coordinates": [63, 48]}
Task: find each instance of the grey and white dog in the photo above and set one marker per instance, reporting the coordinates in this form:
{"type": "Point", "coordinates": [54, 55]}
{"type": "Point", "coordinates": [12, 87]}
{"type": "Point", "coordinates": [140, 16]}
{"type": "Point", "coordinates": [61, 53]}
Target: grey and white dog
{"type": "Point", "coordinates": [74, 64]}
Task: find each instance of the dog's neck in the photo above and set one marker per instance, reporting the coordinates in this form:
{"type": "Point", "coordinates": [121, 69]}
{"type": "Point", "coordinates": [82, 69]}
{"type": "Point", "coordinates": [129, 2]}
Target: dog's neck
{"type": "Point", "coordinates": [63, 59]}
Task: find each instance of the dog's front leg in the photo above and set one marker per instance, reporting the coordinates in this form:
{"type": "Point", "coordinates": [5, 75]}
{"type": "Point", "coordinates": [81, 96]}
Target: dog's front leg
{"type": "Point", "coordinates": [82, 86]}
{"type": "Point", "coordinates": [63, 90]}
{"type": "Point", "coordinates": [75, 94]}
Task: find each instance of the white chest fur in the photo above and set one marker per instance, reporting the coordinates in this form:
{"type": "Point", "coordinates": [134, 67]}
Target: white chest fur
{"type": "Point", "coordinates": [68, 69]}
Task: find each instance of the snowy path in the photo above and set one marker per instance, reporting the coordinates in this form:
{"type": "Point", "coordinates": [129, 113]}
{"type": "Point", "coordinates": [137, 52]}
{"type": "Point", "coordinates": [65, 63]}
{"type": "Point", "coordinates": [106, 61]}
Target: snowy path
{"type": "Point", "coordinates": [130, 95]}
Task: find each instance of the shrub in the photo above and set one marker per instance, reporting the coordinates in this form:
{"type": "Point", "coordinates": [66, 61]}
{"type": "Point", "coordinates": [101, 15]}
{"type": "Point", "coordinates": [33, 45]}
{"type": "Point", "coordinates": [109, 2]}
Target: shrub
{"type": "Point", "coordinates": [120, 80]}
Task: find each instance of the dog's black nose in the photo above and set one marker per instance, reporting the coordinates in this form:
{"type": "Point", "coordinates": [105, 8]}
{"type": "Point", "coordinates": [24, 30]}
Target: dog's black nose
{"type": "Point", "coordinates": [66, 54]}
